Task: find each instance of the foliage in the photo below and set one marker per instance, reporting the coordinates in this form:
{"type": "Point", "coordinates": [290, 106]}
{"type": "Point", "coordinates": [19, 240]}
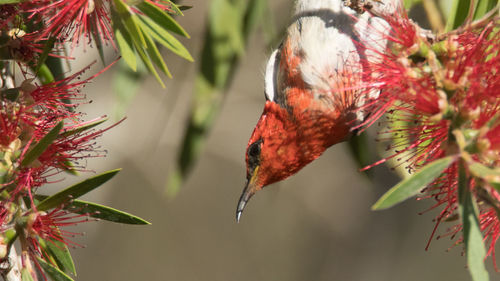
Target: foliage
{"type": "Point", "coordinates": [41, 133]}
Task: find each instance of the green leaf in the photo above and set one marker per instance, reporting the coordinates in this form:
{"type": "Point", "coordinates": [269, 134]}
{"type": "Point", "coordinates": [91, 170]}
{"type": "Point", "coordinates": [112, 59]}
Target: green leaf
{"type": "Point", "coordinates": [100, 212]}
{"type": "Point", "coordinates": [106, 213]}
{"type": "Point", "coordinates": [492, 176]}
{"type": "Point", "coordinates": [176, 9]}
{"type": "Point", "coordinates": [60, 253]}
{"type": "Point", "coordinates": [458, 14]}
{"type": "Point", "coordinates": [124, 41]}
{"type": "Point", "coordinates": [184, 7]}
{"type": "Point", "coordinates": [25, 275]}
{"type": "Point", "coordinates": [484, 6]}
{"type": "Point", "coordinates": [149, 65]}
{"type": "Point", "coordinates": [473, 238]}
{"type": "Point", "coordinates": [161, 18]}
{"type": "Point", "coordinates": [84, 126]}
{"type": "Point", "coordinates": [130, 22]}
{"type": "Point", "coordinates": [54, 273]}
{"type": "Point", "coordinates": [76, 190]}
{"type": "Point", "coordinates": [42, 145]}
{"type": "Point", "coordinates": [2, 2]}
{"type": "Point", "coordinates": [163, 37]}
{"type": "Point", "coordinates": [155, 55]}
{"type": "Point", "coordinates": [56, 252]}
{"type": "Point", "coordinates": [412, 185]}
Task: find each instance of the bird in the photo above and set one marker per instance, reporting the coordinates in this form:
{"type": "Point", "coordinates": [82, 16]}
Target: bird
{"type": "Point", "coordinates": [309, 85]}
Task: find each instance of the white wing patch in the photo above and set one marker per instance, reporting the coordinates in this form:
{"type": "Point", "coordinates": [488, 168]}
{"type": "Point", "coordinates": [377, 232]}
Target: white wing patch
{"type": "Point", "coordinates": [270, 77]}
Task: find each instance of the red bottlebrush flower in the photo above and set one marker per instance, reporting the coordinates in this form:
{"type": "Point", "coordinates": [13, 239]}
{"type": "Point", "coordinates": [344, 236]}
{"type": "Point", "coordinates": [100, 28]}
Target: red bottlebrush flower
{"type": "Point", "coordinates": [64, 154]}
{"type": "Point", "coordinates": [51, 227]}
{"type": "Point", "coordinates": [39, 107]}
{"type": "Point", "coordinates": [445, 100]}
{"type": "Point", "coordinates": [74, 18]}
{"type": "Point", "coordinates": [32, 114]}
{"type": "Point", "coordinates": [69, 20]}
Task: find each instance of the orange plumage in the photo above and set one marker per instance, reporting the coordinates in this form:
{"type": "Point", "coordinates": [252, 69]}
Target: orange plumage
{"type": "Point", "coordinates": [310, 102]}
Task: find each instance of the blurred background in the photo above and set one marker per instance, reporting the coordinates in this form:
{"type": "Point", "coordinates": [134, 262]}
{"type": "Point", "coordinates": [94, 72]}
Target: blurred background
{"type": "Point", "coordinates": [317, 225]}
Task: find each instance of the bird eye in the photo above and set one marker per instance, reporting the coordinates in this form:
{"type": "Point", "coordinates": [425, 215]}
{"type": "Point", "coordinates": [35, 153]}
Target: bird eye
{"type": "Point", "coordinates": [254, 149]}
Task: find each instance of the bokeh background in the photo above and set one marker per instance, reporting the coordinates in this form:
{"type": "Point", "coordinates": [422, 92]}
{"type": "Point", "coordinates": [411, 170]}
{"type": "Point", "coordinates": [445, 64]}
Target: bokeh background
{"type": "Point", "coordinates": [316, 225]}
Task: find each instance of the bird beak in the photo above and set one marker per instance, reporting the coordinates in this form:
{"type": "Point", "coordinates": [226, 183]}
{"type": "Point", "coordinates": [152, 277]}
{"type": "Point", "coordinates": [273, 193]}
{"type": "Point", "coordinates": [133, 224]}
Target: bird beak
{"type": "Point", "coordinates": [250, 188]}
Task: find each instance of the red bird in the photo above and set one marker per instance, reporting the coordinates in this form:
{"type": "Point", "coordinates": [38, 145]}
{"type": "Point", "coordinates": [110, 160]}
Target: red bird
{"type": "Point", "coordinates": [309, 106]}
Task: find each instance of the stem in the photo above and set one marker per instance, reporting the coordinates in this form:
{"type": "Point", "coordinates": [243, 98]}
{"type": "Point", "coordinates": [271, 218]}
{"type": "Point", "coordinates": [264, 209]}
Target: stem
{"type": "Point", "coordinates": [45, 74]}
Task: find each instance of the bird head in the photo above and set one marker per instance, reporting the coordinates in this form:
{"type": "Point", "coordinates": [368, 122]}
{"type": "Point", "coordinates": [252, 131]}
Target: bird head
{"type": "Point", "coordinates": [271, 153]}
{"type": "Point", "coordinates": [283, 142]}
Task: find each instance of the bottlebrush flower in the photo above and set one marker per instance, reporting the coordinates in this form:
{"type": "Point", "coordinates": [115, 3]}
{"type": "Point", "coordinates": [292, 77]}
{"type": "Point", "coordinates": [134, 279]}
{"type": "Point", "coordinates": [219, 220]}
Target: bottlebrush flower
{"type": "Point", "coordinates": [28, 117]}
{"type": "Point", "coordinates": [51, 227]}
{"type": "Point", "coordinates": [70, 20]}
{"type": "Point", "coordinates": [64, 154]}
{"type": "Point", "coordinates": [445, 101]}
{"type": "Point", "coordinates": [73, 19]}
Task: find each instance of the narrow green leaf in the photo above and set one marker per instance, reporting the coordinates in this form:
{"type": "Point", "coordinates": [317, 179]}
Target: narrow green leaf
{"type": "Point", "coordinates": [54, 273]}
{"type": "Point", "coordinates": [124, 41]}
{"type": "Point", "coordinates": [484, 172]}
{"type": "Point", "coordinates": [130, 22]}
{"type": "Point", "coordinates": [42, 145]}
{"type": "Point", "coordinates": [412, 185]}
{"type": "Point", "coordinates": [76, 190]}
{"type": "Point", "coordinates": [100, 212]}
{"type": "Point", "coordinates": [25, 275]}
{"type": "Point", "coordinates": [57, 252]}
{"type": "Point", "coordinates": [163, 37]}
{"type": "Point", "coordinates": [161, 18]}
{"type": "Point", "coordinates": [458, 14]}
{"type": "Point", "coordinates": [60, 253]}
{"type": "Point", "coordinates": [473, 238]}
{"type": "Point", "coordinates": [184, 7]}
{"type": "Point", "coordinates": [484, 6]}
{"type": "Point", "coordinates": [149, 65]}
{"type": "Point", "coordinates": [176, 9]}
{"type": "Point", "coordinates": [492, 176]}
{"type": "Point", "coordinates": [84, 126]}
{"type": "Point", "coordinates": [155, 55]}
{"type": "Point", "coordinates": [2, 2]}
{"type": "Point", "coordinates": [106, 213]}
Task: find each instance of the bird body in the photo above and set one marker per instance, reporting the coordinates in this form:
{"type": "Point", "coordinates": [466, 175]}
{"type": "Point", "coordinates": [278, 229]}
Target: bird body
{"type": "Point", "coordinates": [309, 105]}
